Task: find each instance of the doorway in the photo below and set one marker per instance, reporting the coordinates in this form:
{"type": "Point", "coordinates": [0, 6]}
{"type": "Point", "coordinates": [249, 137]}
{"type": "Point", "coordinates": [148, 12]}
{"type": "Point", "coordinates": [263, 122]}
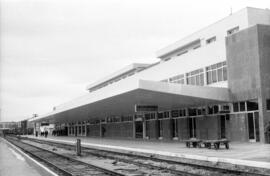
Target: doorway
{"type": "Point", "coordinates": [192, 127]}
{"type": "Point", "coordinates": [138, 129]}
{"type": "Point", "coordinates": [222, 126]}
{"type": "Point", "coordinates": [253, 127]}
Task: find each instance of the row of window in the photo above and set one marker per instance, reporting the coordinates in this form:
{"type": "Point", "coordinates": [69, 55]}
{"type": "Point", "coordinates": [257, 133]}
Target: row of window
{"type": "Point", "coordinates": [214, 73]}
{"type": "Point", "coordinates": [195, 77]}
{"type": "Point", "coordinates": [245, 106]}
{"type": "Point", "coordinates": [229, 32]}
{"type": "Point", "coordinates": [207, 41]}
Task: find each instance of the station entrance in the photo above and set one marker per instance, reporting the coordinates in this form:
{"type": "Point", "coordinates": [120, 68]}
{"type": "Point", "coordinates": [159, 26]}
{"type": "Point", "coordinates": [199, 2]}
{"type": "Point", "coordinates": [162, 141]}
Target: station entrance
{"type": "Point", "coordinates": [223, 126]}
{"type": "Point", "coordinates": [253, 127]}
{"type": "Point", "coordinates": [138, 129]}
{"type": "Point", "coordinates": [192, 127]}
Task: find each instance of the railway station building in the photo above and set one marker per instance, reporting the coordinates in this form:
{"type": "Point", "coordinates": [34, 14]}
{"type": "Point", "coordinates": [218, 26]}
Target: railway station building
{"type": "Point", "coordinates": [212, 84]}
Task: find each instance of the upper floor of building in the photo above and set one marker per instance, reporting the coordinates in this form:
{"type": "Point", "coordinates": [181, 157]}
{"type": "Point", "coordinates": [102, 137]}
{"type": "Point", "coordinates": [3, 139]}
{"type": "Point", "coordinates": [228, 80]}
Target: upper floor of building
{"type": "Point", "coordinates": [216, 32]}
{"type": "Point", "coordinates": [198, 59]}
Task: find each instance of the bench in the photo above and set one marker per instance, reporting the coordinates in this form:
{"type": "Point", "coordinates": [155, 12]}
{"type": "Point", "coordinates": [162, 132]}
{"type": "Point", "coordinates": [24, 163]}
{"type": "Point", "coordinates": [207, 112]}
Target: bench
{"type": "Point", "coordinates": [216, 143]}
{"type": "Point", "coordinates": [193, 142]}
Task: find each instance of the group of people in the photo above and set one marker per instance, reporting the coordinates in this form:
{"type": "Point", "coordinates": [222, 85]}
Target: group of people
{"type": "Point", "coordinates": [43, 133]}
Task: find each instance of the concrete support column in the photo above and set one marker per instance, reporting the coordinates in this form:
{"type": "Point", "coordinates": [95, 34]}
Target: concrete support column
{"type": "Point", "coordinates": [144, 129]}
{"type": "Point", "coordinates": [262, 106]}
{"type": "Point", "coordinates": [85, 132]}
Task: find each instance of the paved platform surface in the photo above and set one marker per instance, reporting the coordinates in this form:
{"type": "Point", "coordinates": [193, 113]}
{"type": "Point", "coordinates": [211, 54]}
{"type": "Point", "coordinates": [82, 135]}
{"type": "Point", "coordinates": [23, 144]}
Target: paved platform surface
{"type": "Point", "coordinates": [13, 163]}
{"type": "Point", "coordinates": [243, 151]}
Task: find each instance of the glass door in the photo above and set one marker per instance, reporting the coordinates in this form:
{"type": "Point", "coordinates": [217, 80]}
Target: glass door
{"type": "Point", "coordinates": [139, 129]}
{"type": "Point", "coordinates": [222, 126]}
{"type": "Point", "coordinates": [253, 127]}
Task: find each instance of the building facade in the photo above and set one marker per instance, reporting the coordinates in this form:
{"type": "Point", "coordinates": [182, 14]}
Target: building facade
{"type": "Point", "coordinates": [212, 84]}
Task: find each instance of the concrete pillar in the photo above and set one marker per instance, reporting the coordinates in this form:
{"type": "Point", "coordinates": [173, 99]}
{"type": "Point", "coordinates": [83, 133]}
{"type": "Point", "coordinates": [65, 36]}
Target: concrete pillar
{"type": "Point", "coordinates": [144, 129]}
{"type": "Point", "coordinates": [85, 132]}
{"type": "Point", "coordinates": [262, 107]}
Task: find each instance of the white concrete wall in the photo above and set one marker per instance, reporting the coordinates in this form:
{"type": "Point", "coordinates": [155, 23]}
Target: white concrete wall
{"type": "Point", "coordinates": [258, 16]}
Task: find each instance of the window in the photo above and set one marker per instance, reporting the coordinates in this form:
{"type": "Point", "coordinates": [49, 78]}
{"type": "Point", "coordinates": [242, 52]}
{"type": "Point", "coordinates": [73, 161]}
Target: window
{"type": "Point", "coordinates": [178, 113]}
{"type": "Point", "coordinates": [181, 53]}
{"type": "Point", "coordinates": [150, 116]}
{"type": "Point", "coordinates": [113, 119]}
{"type": "Point", "coordinates": [166, 114]}
{"type": "Point", "coordinates": [268, 104]}
{"type": "Point", "coordinates": [195, 77]}
{"type": "Point", "coordinates": [242, 106]}
{"type": "Point", "coordinates": [233, 30]}
{"type": "Point", "coordinates": [192, 111]}
{"type": "Point", "coordinates": [180, 79]}
{"type": "Point", "coordinates": [127, 118]}
{"type": "Point", "coordinates": [235, 107]}
{"type": "Point", "coordinates": [175, 113]}
{"type": "Point", "coordinates": [252, 105]}
{"type": "Point", "coordinates": [216, 73]}
{"type": "Point", "coordinates": [211, 40]}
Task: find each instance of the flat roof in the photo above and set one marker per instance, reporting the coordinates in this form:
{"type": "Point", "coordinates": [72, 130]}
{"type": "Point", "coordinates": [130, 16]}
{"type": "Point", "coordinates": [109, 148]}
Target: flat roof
{"type": "Point", "coordinates": [118, 73]}
{"type": "Point", "coordinates": [166, 95]}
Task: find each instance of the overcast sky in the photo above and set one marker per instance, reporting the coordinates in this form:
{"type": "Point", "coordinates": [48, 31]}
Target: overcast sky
{"type": "Point", "coordinates": [51, 49]}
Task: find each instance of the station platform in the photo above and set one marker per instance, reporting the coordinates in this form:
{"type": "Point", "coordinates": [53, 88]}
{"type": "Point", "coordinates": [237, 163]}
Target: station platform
{"type": "Point", "coordinates": [246, 154]}
{"type": "Point", "coordinates": [14, 163]}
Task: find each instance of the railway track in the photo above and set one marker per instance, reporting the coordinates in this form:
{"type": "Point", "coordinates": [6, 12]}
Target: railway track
{"type": "Point", "coordinates": [63, 165]}
{"type": "Point", "coordinates": [171, 166]}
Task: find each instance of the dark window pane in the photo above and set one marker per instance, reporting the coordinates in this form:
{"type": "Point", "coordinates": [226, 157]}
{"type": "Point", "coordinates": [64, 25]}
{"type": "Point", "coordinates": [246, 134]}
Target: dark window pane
{"type": "Point", "coordinates": [210, 110]}
{"type": "Point", "coordinates": [268, 104]}
{"type": "Point", "coordinates": [160, 115]}
{"type": "Point", "coordinates": [199, 112]}
{"type": "Point", "coordinates": [235, 107]}
{"type": "Point", "coordinates": [192, 112]}
{"type": "Point", "coordinates": [215, 109]}
{"type": "Point", "coordinates": [252, 105]}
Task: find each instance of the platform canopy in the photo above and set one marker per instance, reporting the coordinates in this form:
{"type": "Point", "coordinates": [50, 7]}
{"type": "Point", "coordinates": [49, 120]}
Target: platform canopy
{"type": "Point", "coordinates": [121, 99]}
